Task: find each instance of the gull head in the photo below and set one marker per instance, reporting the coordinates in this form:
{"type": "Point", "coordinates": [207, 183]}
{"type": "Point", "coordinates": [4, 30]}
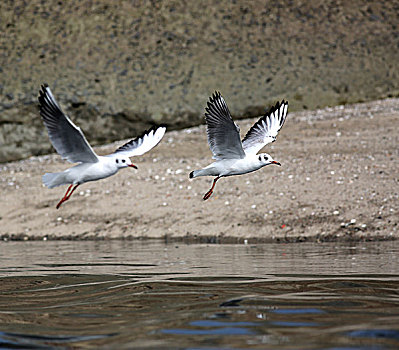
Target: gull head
{"type": "Point", "coordinates": [124, 162]}
{"type": "Point", "coordinates": [266, 159]}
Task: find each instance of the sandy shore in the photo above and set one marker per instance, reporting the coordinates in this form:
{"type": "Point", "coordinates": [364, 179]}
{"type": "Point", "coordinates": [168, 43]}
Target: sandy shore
{"type": "Point", "coordinates": [338, 181]}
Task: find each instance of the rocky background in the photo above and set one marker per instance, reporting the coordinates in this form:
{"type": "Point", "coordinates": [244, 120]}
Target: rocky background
{"type": "Point", "coordinates": [118, 67]}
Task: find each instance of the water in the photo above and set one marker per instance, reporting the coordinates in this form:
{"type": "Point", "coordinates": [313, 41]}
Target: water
{"type": "Point", "coordinates": [124, 295]}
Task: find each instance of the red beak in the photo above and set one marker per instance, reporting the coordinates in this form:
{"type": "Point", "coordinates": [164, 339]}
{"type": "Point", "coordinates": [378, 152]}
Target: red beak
{"type": "Point", "coordinates": [132, 166]}
{"type": "Point", "coordinates": [277, 163]}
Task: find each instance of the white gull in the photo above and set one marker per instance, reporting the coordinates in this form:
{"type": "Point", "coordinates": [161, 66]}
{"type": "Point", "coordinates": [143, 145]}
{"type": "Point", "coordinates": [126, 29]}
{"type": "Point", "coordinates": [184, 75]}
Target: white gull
{"type": "Point", "coordinates": [234, 157]}
{"type": "Point", "coordinates": [69, 141]}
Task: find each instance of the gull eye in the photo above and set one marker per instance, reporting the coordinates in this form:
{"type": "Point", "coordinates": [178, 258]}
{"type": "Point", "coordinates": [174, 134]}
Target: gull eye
{"type": "Point", "coordinates": [260, 158]}
{"type": "Point", "coordinates": [266, 158]}
{"type": "Point", "coordinates": [117, 161]}
{"type": "Point", "coordinates": [123, 160]}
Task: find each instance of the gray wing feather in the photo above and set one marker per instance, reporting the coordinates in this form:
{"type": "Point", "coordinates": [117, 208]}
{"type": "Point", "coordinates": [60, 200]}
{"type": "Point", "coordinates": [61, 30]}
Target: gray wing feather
{"type": "Point", "coordinates": [67, 139]}
{"type": "Point", "coordinates": [142, 144]}
{"type": "Point", "coordinates": [223, 134]}
{"type": "Point", "coordinates": [265, 130]}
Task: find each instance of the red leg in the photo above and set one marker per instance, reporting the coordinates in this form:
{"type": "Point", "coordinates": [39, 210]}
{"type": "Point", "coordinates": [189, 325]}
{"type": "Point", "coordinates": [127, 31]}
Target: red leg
{"type": "Point", "coordinates": [209, 193]}
{"type": "Point", "coordinates": [67, 195]}
{"type": "Point", "coordinates": [70, 194]}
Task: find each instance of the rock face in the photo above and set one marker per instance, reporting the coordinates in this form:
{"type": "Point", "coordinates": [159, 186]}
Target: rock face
{"type": "Point", "coordinates": [120, 67]}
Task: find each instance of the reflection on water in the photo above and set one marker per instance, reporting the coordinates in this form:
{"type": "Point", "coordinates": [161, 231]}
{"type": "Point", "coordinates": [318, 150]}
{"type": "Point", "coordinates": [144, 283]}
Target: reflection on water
{"type": "Point", "coordinates": [136, 295]}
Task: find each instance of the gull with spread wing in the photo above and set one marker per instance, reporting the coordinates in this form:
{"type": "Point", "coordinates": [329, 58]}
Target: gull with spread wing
{"type": "Point", "coordinates": [234, 157]}
{"type": "Point", "coordinates": [69, 141]}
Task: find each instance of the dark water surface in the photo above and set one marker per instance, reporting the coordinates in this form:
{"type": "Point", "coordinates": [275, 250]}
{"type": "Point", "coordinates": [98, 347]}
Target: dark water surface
{"type": "Point", "coordinates": [125, 295]}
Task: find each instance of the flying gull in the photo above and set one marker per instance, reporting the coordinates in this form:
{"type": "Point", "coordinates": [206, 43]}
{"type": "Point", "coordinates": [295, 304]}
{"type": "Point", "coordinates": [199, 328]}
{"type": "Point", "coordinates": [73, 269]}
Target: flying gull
{"type": "Point", "coordinates": [234, 157]}
{"type": "Point", "coordinates": [69, 141]}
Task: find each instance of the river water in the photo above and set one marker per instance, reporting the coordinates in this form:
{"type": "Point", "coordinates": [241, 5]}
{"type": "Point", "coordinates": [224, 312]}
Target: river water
{"type": "Point", "coordinates": [125, 294]}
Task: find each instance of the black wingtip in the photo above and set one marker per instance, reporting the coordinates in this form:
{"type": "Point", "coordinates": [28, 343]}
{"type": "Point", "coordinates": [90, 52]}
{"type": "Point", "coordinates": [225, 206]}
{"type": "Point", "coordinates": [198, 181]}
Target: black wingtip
{"type": "Point", "coordinates": [191, 175]}
{"type": "Point", "coordinates": [44, 88]}
{"type": "Point", "coordinates": [216, 95]}
{"type": "Point", "coordinates": [277, 106]}
{"type": "Point", "coordinates": [153, 128]}
{"type": "Point", "coordinates": [42, 92]}
{"type": "Point", "coordinates": [216, 101]}
{"type": "Point", "coordinates": [284, 102]}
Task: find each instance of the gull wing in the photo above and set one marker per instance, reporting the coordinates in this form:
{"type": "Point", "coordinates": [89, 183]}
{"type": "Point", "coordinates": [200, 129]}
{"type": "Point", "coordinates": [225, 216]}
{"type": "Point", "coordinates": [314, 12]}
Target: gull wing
{"type": "Point", "coordinates": [265, 130]}
{"type": "Point", "coordinates": [223, 134]}
{"type": "Point", "coordinates": [142, 144]}
{"type": "Point", "coordinates": [67, 139]}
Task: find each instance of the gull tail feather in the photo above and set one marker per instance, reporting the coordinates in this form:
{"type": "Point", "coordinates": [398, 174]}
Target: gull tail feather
{"type": "Point", "coordinates": [200, 172]}
{"type": "Point", "coordinates": [52, 180]}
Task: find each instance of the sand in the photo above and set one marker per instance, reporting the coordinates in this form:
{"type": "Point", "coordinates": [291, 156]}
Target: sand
{"type": "Point", "coordinates": [338, 181]}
